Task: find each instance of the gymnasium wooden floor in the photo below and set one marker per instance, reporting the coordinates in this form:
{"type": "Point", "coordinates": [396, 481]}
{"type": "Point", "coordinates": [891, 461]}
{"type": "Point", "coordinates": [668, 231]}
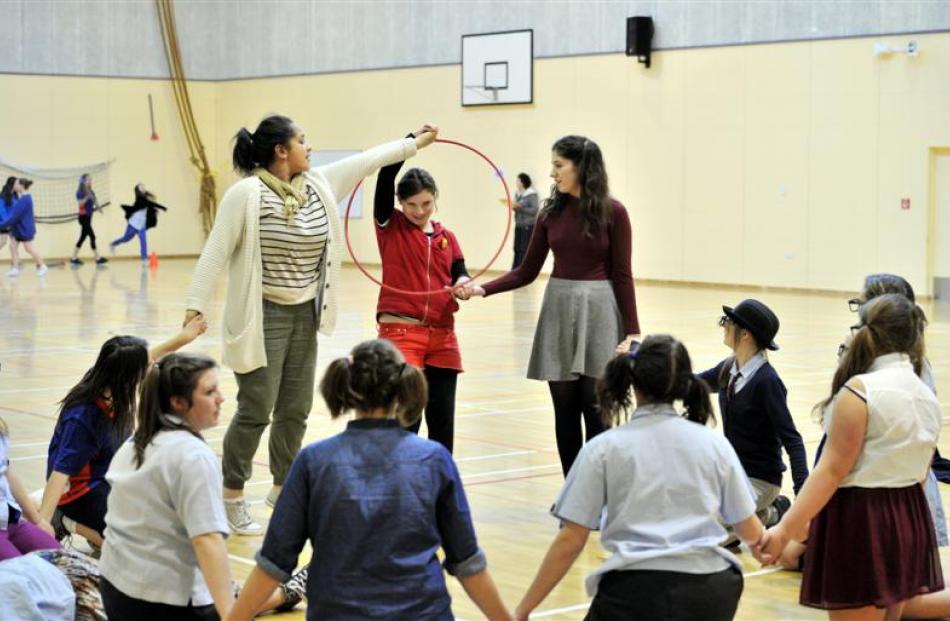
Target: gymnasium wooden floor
{"type": "Point", "coordinates": [51, 330]}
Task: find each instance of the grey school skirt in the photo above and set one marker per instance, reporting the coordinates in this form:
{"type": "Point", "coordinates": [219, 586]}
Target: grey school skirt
{"type": "Point", "coordinates": [578, 329]}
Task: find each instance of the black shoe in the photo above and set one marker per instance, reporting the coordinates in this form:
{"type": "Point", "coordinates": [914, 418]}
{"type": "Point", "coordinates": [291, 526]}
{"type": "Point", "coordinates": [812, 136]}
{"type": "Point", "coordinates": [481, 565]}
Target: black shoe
{"type": "Point", "coordinates": [75, 261]}
{"type": "Point", "coordinates": [59, 529]}
{"type": "Point", "coordinates": [294, 589]}
{"type": "Point", "coordinates": [101, 260]}
{"type": "Point", "coordinates": [781, 504]}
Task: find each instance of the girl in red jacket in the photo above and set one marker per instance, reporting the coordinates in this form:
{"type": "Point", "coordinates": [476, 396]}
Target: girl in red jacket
{"type": "Point", "coordinates": [419, 254]}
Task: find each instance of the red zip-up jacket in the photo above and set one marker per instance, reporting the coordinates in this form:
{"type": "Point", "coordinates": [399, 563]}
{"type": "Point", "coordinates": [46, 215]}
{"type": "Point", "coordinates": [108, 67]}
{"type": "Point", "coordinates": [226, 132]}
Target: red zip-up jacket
{"type": "Point", "coordinates": [414, 261]}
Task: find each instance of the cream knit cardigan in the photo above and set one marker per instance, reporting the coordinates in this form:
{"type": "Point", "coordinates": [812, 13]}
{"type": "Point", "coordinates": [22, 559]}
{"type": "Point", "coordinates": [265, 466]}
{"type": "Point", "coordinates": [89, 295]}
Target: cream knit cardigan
{"type": "Point", "coordinates": [235, 245]}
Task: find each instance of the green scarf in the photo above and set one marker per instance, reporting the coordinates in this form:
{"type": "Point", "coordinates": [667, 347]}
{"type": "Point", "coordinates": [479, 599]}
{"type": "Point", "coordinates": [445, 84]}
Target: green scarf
{"type": "Point", "coordinates": [293, 193]}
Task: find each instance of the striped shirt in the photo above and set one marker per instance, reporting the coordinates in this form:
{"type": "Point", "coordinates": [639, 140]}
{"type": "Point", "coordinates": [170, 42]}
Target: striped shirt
{"type": "Point", "coordinates": [291, 252]}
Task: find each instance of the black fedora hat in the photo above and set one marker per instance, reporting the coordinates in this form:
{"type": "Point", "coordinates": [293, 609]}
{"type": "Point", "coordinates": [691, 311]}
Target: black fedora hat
{"type": "Point", "coordinates": [757, 318]}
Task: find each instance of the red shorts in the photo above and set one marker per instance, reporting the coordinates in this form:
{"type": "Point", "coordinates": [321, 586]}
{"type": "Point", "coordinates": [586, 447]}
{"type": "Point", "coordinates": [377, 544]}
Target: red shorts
{"type": "Point", "coordinates": [424, 345]}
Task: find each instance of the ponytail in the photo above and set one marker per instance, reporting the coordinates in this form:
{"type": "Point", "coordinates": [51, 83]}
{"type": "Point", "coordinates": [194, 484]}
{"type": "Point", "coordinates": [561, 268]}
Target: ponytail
{"type": "Point", "coordinates": [257, 150]}
{"type": "Point", "coordinates": [175, 375]}
{"type": "Point", "coordinates": [375, 376]}
{"type": "Point", "coordinates": [660, 370]}
{"type": "Point", "coordinates": [614, 389]}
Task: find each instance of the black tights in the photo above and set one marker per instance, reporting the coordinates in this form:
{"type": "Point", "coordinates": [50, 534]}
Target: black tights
{"type": "Point", "coordinates": [572, 399]}
{"type": "Point", "coordinates": [85, 226]}
{"type": "Point", "coordinates": [440, 408]}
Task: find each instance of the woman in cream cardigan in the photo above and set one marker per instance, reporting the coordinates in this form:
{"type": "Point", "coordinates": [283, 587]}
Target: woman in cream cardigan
{"type": "Point", "coordinates": [278, 237]}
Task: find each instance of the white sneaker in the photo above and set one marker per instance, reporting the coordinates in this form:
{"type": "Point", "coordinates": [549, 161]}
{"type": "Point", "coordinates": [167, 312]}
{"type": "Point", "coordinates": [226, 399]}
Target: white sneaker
{"type": "Point", "coordinates": [14, 272]}
{"type": "Point", "coordinates": [41, 270]}
{"type": "Point", "coordinates": [239, 518]}
{"type": "Point", "coordinates": [272, 495]}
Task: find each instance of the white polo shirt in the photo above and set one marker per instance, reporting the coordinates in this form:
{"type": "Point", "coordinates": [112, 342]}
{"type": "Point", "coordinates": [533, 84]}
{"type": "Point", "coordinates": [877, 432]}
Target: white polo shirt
{"type": "Point", "coordinates": [666, 483]}
{"type": "Point", "coordinates": [153, 514]}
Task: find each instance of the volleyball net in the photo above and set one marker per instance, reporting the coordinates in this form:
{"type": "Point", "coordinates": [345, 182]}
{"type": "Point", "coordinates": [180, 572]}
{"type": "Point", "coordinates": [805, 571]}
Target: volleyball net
{"type": "Point", "coordinates": [54, 189]}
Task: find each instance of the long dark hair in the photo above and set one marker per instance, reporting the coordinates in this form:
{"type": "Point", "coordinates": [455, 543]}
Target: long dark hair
{"type": "Point", "coordinates": [175, 375]}
{"type": "Point", "coordinates": [257, 149]}
{"type": "Point", "coordinates": [660, 369]}
{"type": "Point", "coordinates": [6, 194]}
{"type": "Point", "coordinates": [118, 371]}
{"type": "Point", "coordinates": [374, 376]}
{"type": "Point", "coordinates": [592, 177]}
{"type": "Point", "coordinates": [889, 323]}
{"type": "Point", "coordinates": [26, 183]}
{"type": "Point", "coordinates": [82, 183]}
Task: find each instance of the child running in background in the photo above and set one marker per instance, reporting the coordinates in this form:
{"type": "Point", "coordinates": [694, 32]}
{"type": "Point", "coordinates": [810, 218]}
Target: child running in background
{"type": "Point", "coordinates": [419, 254]}
{"type": "Point", "coordinates": [141, 216]}
{"type": "Point", "coordinates": [752, 401]}
{"type": "Point", "coordinates": [376, 503]}
{"type": "Point", "coordinates": [88, 203]}
{"type": "Point", "coordinates": [655, 486]}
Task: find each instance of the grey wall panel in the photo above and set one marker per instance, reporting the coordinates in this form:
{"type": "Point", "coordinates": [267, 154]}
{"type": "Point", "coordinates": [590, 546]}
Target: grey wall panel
{"type": "Point", "coordinates": [223, 39]}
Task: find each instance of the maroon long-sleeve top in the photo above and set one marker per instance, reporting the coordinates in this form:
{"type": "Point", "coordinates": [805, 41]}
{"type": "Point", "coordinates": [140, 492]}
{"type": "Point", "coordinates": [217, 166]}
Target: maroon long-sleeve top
{"type": "Point", "coordinates": [603, 256]}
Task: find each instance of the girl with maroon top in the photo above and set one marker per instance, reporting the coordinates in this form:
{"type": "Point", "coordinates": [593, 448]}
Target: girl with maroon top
{"type": "Point", "coordinates": [419, 254]}
{"type": "Point", "coordinates": [589, 304]}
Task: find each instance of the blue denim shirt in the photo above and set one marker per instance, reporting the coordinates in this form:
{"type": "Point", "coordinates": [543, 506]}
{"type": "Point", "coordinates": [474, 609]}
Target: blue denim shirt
{"type": "Point", "coordinates": [376, 503]}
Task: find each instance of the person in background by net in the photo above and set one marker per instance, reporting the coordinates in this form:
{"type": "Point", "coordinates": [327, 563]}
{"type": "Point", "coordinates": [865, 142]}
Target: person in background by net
{"type": "Point", "coordinates": [22, 225]}
{"type": "Point", "coordinates": [88, 203]}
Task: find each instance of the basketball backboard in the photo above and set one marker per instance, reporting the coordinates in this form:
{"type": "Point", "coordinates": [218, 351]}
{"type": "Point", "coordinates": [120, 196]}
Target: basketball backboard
{"type": "Point", "coordinates": [497, 68]}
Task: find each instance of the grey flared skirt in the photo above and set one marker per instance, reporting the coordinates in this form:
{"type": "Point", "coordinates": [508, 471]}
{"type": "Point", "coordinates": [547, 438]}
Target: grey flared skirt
{"type": "Point", "coordinates": [578, 329]}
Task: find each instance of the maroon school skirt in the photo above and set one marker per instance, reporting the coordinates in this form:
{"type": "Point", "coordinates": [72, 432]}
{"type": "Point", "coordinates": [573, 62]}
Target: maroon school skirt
{"type": "Point", "coordinates": [871, 547]}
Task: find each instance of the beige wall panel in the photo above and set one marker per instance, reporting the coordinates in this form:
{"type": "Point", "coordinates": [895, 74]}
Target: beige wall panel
{"type": "Point", "coordinates": [60, 121]}
{"type": "Point", "coordinates": [842, 228]}
{"type": "Point", "coordinates": [655, 190]}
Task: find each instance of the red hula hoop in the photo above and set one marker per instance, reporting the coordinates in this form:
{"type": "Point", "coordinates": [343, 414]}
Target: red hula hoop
{"type": "Point", "coordinates": [360, 267]}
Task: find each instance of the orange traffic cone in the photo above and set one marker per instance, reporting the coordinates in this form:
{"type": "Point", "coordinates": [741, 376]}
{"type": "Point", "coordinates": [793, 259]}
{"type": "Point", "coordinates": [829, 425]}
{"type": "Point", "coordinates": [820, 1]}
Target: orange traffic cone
{"type": "Point", "coordinates": [153, 261]}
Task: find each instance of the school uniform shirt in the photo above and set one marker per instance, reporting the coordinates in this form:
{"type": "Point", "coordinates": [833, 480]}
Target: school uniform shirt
{"type": "Point", "coordinates": [665, 483]}
{"type": "Point", "coordinates": [153, 514]}
{"type": "Point", "coordinates": [376, 503]}
{"type": "Point", "coordinates": [87, 202]}
{"type": "Point", "coordinates": [83, 444]}
{"type": "Point", "coordinates": [904, 421]}
{"type": "Point", "coordinates": [757, 422]}
{"type": "Point", "coordinates": [9, 509]}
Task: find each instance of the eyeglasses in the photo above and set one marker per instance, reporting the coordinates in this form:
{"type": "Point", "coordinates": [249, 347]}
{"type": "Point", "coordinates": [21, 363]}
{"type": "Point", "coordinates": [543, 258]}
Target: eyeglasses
{"type": "Point", "coordinates": [854, 304]}
{"type": "Point", "coordinates": [725, 320]}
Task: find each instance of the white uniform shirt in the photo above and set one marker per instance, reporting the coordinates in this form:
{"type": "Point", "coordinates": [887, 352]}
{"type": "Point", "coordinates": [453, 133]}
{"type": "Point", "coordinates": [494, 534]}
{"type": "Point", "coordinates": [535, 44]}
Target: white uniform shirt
{"type": "Point", "coordinates": [904, 420]}
{"type": "Point", "coordinates": [7, 501]}
{"type": "Point", "coordinates": [665, 483]}
{"type": "Point", "coordinates": [153, 514]}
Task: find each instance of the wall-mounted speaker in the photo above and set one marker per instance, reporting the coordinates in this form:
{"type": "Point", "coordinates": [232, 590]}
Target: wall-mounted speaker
{"type": "Point", "coordinates": [640, 38]}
